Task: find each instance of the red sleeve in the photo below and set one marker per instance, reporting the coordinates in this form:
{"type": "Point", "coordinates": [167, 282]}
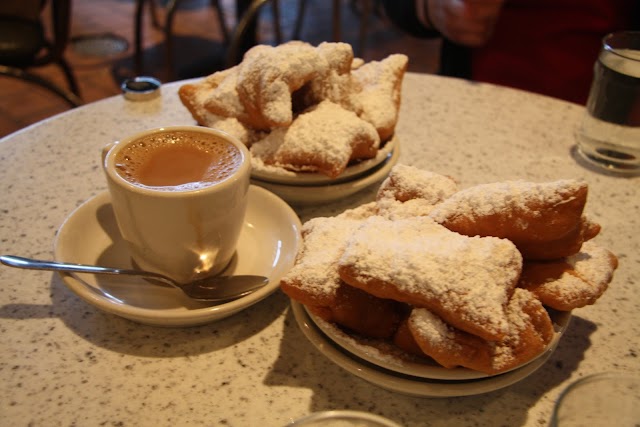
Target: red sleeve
{"type": "Point", "coordinates": [549, 46]}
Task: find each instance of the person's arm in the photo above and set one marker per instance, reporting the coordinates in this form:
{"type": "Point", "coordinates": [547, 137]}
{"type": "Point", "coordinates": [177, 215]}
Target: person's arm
{"type": "Point", "coordinates": [403, 14]}
{"type": "Point", "coordinates": [465, 22]}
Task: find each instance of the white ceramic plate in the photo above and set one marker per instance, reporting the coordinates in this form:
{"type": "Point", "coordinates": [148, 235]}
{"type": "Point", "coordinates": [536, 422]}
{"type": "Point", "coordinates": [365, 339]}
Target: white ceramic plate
{"type": "Point", "coordinates": [407, 384]}
{"type": "Point", "coordinates": [268, 244]}
{"type": "Point", "coordinates": [282, 176]}
{"type": "Point", "coordinates": [417, 369]}
{"type": "Point", "coordinates": [319, 194]}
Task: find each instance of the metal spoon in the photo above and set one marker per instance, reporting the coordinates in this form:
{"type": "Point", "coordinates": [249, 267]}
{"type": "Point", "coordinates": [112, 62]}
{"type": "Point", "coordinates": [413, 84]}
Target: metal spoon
{"type": "Point", "coordinates": [216, 288]}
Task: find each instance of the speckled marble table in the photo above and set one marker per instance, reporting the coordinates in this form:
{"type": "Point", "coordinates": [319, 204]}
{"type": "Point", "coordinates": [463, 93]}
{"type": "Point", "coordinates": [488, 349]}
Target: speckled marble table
{"type": "Point", "coordinates": [64, 362]}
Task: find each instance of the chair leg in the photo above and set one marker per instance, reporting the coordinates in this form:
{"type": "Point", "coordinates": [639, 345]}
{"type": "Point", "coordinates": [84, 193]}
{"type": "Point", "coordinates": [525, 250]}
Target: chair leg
{"type": "Point", "coordinates": [137, 37]}
{"type": "Point", "coordinates": [215, 4]}
{"type": "Point", "coordinates": [72, 99]}
{"type": "Point", "coordinates": [367, 9]}
{"type": "Point", "coordinates": [302, 10]}
{"type": "Point", "coordinates": [154, 15]}
{"type": "Point", "coordinates": [71, 79]}
{"type": "Point", "coordinates": [172, 6]}
{"type": "Point", "coordinates": [276, 20]}
{"type": "Point", "coordinates": [337, 21]}
{"type": "Point", "coordinates": [238, 38]}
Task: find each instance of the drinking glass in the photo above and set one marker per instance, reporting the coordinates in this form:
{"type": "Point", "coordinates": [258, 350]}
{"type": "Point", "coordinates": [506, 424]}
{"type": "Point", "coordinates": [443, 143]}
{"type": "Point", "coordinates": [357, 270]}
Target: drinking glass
{"type": "Point", "coordinates": [605, 399]}
{"type": "Point", "coordinates": [609, 135]}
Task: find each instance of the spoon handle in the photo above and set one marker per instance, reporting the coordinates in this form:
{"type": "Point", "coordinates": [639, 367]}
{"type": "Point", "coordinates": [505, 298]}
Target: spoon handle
{"type": "Point", "coordinates": [36, 264]}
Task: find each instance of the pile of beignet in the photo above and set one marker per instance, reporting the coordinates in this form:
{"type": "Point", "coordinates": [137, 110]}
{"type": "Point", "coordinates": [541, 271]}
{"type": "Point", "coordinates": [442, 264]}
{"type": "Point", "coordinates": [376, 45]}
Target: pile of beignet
{"type": "Point", "coordinates": [303, 108]}
{"type": "Point", "coordinates": [464, 277]}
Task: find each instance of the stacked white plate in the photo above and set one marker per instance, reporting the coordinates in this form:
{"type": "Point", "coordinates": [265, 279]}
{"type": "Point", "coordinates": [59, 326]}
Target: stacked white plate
{"type": "Point", "coordinates": [423, 378]}
{"type": "Point", "coordinates": [305, 188]}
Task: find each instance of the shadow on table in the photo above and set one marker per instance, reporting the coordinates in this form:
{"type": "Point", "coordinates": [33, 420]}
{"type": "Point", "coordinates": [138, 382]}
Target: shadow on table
{"type": "Point", "coordinates": [124, 336]}
{"type": "Point", "coordinates": [301, 365]}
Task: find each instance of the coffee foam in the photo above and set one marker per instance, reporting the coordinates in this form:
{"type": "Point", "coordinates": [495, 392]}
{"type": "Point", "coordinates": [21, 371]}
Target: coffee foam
{"type": "Point", "coordinates": [224, 158]}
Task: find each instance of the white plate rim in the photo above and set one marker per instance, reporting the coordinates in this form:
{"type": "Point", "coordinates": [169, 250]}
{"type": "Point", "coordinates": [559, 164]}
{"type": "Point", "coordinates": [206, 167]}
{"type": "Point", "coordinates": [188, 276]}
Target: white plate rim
{"type": "Point", "coordinates": [185, 317]}
{"type": "Point", "coordinates": [310, 179]}
{"type": "Point", "coordinates": [362, 351]}
{"type": "Point", "coordinates": [406, 384]}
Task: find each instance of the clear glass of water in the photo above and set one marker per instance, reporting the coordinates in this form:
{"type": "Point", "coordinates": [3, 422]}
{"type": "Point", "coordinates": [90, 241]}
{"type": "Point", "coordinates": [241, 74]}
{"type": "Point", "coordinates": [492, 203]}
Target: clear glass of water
{"type": "Point", "coordinates": [609, 135]}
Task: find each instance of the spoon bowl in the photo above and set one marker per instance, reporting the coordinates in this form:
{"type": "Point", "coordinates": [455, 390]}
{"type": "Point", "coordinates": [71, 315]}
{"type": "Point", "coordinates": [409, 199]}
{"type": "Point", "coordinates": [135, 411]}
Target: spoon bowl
{"type": "Point", "coordinates": [212, 289]}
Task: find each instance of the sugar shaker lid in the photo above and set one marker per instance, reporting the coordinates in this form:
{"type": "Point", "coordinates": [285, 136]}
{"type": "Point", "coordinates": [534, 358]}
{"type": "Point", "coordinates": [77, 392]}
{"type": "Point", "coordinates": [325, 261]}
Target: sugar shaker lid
{"type": "Point", "coordinates": [142, 88]}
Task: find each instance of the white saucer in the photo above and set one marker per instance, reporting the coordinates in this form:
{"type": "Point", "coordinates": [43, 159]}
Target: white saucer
{"type": "Point", "coordinates": [319, 194]}
{"type": "Point", "coordinates": [268, 244]}
{"type": "Point", "coordinates": [282, 176]}
{"type": "Point", "coordinates": [407, 384]}
{"type": "Point", "coordinates": [370, 353]}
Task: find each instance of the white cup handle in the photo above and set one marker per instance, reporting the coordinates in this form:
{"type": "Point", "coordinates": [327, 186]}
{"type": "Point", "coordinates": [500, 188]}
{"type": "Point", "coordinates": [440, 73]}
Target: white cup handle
{"type": "Point", "coordinates": [105, 151]}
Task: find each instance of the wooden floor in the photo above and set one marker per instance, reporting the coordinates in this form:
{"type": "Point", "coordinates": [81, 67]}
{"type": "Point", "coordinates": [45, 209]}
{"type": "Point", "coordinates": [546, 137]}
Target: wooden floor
{"type": "Point", "coordinates": [198, 42]}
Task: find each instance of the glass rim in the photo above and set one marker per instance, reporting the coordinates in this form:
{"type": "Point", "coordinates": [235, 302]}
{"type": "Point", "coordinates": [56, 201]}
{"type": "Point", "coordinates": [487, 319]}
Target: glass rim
{"type": "Point", "coordinates": [344, 414]}
{"type": "Point", "coordinates": [629, 37]}
{"type": "Point", "coordinates": [617, 375]}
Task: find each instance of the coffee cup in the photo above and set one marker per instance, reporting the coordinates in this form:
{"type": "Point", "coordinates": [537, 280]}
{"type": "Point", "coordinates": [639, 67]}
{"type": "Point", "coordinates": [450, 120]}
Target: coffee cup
{"type": "Point", "coordinates": [179, 195]}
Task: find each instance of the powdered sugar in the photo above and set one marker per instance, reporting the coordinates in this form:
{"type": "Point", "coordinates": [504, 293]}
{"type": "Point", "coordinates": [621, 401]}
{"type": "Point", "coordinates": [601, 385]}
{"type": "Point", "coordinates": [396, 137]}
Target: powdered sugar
{"type": "Point", "coordinates": [361, 212]}
{"type": "Point", "coordinates": [323, 138]}
{"type": "Point", "coordinates": [393, 209]}
{"type": "Point", "coordinates": [506, 352]}
{"type": "Point", "coordinates": [380, 89]}
{"type": "Point", "coordinates": [409, 181]}
{"type": "Point", "coordinates": [471, 276]}
{"type": "Point", "coordinates": [592, 272]}
{"type": "Point", "coordinates": [231, 125]}
{"type": "Point", "coordinates": [316, 266]}
{"type": "Point", "coordinates": [409, 192]}
{"type": "Point", "coordinates": [593, 263]}
{"type": "Point", "coordinates": [569, 287]}
{"type": "Point", "coordinates": [433, 329]}
{"type": "Point", "coordinates": [273, 84]}
{"type": "Point", "coordinates": [461, 289]}
{"type": "Point", "coordinates": [513, 196]}
{"type": "Point", "coordinates": [268, 75]}
{"type": "Point", "coordinates": [330, 131]}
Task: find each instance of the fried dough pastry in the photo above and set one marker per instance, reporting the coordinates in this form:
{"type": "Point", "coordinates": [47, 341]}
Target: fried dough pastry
{"type": "Point", "coordinates": [543, 220]}
{"type": "Point", "coordinates": [363, 313]}
{"type": "Point", "coordinates": [377, 97]}
{"type": "Point", "coordinates": [388, 271]}
{"type": "Point", "coordinates": [465, 280]}
{"type": "Point", "coordinates": [223, 100]}
{"type": "Point", "coordinates": [262, 98]}
{"type": "Point", "coordinates": [323, 139]}
{"type": "Point", "coordinates": [337, 85]}
{"type": "Point", "coordinates": [194, 95]}
{"type": "Point", "coordinates": [573, 282]}
{"type": "Point", "coordinates": [530, 331]}
{"type": "Point", "coordinates": [404, 340]}
{"type": "Point", "coordinates": [314, 279]}
{"type": "Point", "coordinates": [408, 182]}
{"type": "Point", "coordinates": [267, 76]}
{"type": "Point", "coordinates": [409, 191]}
{"type": "Point", "coordinates": [213, 102]}
{"type": "Point", "coordinates": [314, 282]}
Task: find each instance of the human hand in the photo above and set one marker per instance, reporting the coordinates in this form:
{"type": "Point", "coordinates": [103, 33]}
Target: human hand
{"type": "Point", "coordinates": [466, 22]}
